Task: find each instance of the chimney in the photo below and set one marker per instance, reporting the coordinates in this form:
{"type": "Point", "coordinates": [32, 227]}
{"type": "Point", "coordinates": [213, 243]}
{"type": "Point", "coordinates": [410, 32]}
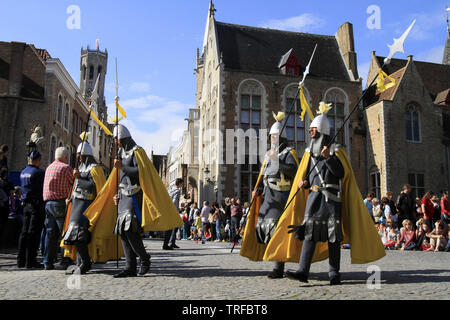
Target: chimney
{"type": "Point", "coordinates": [345, 40]}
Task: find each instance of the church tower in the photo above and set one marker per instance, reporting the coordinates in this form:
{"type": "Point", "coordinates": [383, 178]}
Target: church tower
{"type": "Point", "coordinates": [93, 63]}
{"type": "Point", "coordinates": [446, 57]}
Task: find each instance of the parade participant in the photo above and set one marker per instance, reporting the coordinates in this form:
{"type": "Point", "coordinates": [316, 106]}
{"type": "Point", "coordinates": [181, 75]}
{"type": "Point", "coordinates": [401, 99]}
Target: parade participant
{"type": "Point", "coordinates": [277, 173]}
{"type": "Point", "coordinates": [328, 207]}
{"type": "Point", "coordinates": [143, 203]}
{"type": "Point", "coordinates": [32, 183]}
{"type": "Point", "coordinates": [90, 178]}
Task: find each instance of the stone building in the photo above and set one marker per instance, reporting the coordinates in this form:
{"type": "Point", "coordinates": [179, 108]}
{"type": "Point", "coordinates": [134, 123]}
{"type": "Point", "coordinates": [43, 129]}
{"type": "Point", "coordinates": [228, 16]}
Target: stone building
{"type": "Point", "coordinates": [246, 73]}
{"type": "Point", "coordinates": [37, 90]}
{"type": "Point", "coordinates": [408, 134]}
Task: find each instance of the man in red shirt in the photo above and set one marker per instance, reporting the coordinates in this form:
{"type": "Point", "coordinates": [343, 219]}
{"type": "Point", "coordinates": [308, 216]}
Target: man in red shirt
{"type": "Point", "coordinates": [428, 208]}
{"type": "Point", "coordinates": [57, 187]}
{"type": "Point", "coordinates": [445, 208]}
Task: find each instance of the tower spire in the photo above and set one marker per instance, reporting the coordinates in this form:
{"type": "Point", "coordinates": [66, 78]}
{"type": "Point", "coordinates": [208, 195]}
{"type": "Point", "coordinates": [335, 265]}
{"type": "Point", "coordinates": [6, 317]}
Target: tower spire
{"type": "Point", "coordinates": [446, 57]}
{"type": "Point", "coordinates": [212, 10]}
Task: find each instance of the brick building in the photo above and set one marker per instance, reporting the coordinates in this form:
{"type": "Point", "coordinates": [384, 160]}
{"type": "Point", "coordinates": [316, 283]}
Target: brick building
{"type": "Point", "coordinates": [244, 73]}
{"type": "Point", "coordinates": [407, 127]}
{"type": "Point", "coordinates": [36, 90]}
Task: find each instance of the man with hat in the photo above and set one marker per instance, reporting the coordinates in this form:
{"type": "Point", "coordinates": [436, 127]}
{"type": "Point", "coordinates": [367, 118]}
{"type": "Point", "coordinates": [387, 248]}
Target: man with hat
{"type": "Point", "coordinates": [279, 168]}
{"type": "Point", "coordinates": [89, 179]}
{"type": "Point", "coordinates": [143, 202]}
{"type": "Point", "coordinates": [32, 183]}
{"type": "Point", "coordinates": [326, 208]}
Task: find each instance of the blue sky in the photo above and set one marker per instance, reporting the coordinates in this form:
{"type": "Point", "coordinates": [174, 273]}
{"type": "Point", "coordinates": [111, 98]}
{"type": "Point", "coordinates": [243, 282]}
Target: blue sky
{"type": "Point", "coordinates": [155, 43]}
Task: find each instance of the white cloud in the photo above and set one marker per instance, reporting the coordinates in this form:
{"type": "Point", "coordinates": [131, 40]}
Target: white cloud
{"type": "Point", "coordinates": [433, 55]}
{"type": "Point", "coordinates": [425, 27]}
{"type": "Point", "coordinates": [302, 23]}
{"type": "Point", "coordinates": [139, 87]}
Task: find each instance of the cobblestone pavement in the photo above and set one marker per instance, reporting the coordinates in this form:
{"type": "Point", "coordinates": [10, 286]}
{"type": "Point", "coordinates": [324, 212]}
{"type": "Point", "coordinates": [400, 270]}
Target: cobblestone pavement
{"type": "Point", "coordinates": [209, 271]}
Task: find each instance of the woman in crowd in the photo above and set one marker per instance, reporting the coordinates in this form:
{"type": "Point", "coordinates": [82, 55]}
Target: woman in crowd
{"type": "Point", "coordinates": [423, 242]}
{"type": "Point", "coordinates": [407, 239]}
{"type": "Point", "coordinates": [377, 211]}
{"type": "Point", "coordinates": [388, 212]}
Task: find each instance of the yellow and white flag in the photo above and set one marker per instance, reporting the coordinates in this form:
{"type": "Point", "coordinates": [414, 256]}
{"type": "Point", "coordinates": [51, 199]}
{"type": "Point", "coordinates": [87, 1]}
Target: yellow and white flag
{"type": "Point", "coordinates": [105, 128]}
{"type": "Point", "coordinates": [305, 106]}
{"type": "Point", "coordinates": [381, 81]}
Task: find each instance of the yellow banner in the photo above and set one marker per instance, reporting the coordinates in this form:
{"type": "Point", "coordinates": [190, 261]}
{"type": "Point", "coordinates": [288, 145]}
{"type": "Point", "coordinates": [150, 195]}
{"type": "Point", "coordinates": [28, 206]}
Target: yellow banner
{"type": "Point", "coordinates": [381, 81]}
{"type": "Point", "coordinates": [305, 106]}
{"type": "Point", "coordinates": [122, 112]}
{"type": "Point", "coordinates": [105, 128]}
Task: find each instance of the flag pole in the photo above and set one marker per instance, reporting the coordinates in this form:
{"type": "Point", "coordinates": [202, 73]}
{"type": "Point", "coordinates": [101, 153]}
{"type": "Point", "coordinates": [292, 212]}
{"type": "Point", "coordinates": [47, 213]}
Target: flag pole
{"type": "Point", "coordinates": [117, 171]}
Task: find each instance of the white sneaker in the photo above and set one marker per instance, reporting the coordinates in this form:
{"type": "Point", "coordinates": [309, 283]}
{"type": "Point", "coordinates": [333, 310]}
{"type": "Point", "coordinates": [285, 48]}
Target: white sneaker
{"type": "Point", "coordinates": [216, 240]}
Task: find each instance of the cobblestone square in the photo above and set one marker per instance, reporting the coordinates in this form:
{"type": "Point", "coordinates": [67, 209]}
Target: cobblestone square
{"type": "Point", "coordinates": [209, 272]}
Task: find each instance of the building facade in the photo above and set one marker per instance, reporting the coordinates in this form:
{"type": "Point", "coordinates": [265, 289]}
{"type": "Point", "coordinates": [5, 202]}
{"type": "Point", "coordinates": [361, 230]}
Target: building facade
{"type": "Point", "coordinates": [246, 73]}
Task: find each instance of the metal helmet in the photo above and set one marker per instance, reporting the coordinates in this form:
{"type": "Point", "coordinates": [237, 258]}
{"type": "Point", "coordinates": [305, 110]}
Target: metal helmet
{"type": "Point", "coordinates": [121, 132]}
{"type": "Point", "coordinates": [321, 122]}
{"type": "Point", "coordinates": [278, 125]}
{"type": "Point", "coordinates": [85, 149]}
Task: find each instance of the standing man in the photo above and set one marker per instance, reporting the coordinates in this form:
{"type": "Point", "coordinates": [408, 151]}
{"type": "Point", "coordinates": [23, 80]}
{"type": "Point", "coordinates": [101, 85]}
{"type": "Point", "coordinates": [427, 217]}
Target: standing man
{"type": "Point", "coordinates": [32, 183]}
{"type": "Point", "coordinates": [89, 179]}
{"type": "Point", "coordinates": [445, 208]}
{"type": "Point", "coordinates": [6, 196]}
{"type": "Point", "coordinates": [171, 235]}
{"type": "Point", "coordinates": [369, 204]}
{"type": "Point", "coordinates": [277, 173]}
{"type": "Point", "coordinates": [405, 205]}
{"type": "Point", "coordinates": [143, 202]}
{"type": "Point", "coordinates": [236, 215]}
{"type": "Point", "coordinates": [333, 211]}
{"type": "Point", "coordinates": [57, 186]}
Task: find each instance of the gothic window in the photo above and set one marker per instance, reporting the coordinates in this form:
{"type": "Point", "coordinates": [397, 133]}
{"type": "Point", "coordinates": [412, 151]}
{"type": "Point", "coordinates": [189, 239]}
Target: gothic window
{"type": "Point", "coordinates": [375, 183]}
{"type": "Point", "coordinates": [337, 113]}
{"type": "Point", "coordinates": [412, 123]}
{"type": "Point", "coordinates": [52, 149]}
{"type": "Point", "coordinates": [84, 72]}
{"type": "Point", "coordinates": [75, 122]}
{"type": "Point", "coordinates": [250, 105]}
{"type": "Point", "coordinates": [91, 72]}
{"type": "Point", "coordinates": [59, 109]}
{"type": "Point", "coordinates": [66, 116]}
{"type": "Point", "coordinates": [295, 127]}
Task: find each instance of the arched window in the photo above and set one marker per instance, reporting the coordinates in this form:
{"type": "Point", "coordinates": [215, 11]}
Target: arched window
{"type": "Point", "coordinates": [337, 113]}
{"type": "Point", "coordinates": [59, 109]}
{"type": "Point", "coordinates": [91, 72]}
{"type": "Point", "coordinates": [412, 123]}
{"type": "Point", "coordinates": [66, 116]}
{"type": "Point", "coordinates": [250, 100]}
{"type": "Point", "coordinates": [295, 127]}
{"type": "Point", "coordinates": [52, 149]}
{"type": "Point", "coordinates": [250, 106]}
{"type": "Point", "coordinates": [84, 72]}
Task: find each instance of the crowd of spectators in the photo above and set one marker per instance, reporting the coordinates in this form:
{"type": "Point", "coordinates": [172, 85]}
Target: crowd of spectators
{"type": "Point", "coordinates": [411, 223]}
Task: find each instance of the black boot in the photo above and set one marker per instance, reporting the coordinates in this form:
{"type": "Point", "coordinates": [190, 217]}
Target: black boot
{"type": "Point", "coordinates": [300, 276]}
{"type": "Point", "coordinates": [275, 274]}
{"type": "Point", "coordinates": [125, 274]}
{"type": "Point", "coordinates": [145, 267]}
{"type": "Point", "coordinates": [335, 280]}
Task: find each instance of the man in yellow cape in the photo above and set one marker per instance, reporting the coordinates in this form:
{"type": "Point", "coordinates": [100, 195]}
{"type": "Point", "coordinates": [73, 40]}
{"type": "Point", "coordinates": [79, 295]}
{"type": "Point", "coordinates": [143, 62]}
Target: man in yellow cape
{"type": "Point", "coordinates": [349, 222]}
{"type": "Point", "coordinates": [143, 203]}
{"type": "Point", "coordinates": [278, 171]}
{"type": "Point", "coordinates": [90, 179]}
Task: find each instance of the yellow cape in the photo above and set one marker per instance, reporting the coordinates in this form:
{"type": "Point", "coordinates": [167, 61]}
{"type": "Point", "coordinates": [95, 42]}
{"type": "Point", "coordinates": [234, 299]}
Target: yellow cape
{"type": "Point", "coordinates": [251, 248]}
{"type": "Point", "coordinates": [102, 247]}
{"type": "Point", "coordinates": [358, 227]}
{"type": "Point", "coordinates": [158, 211]}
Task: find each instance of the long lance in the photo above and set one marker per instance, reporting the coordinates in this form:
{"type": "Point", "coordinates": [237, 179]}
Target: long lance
{"type": "Point", "coordinates": [77, 159]}
{"type": "Point", "coordinates": [305, 73]}
{"type": "Point", "coordinates": [397, 46]}
{"type": "Point", "coordinates": [117, 157]}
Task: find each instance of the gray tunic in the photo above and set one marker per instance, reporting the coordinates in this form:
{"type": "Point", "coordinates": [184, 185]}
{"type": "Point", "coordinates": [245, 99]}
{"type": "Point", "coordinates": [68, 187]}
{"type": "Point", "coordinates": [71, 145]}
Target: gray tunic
{"type": "Point", "coordinates": [274, 200]}
{"type": "Point", "coordinates": [129, 178]}
{"type": "Point", "coordinates": [83, 195]}
{"type": "Point", "coordinates": [322, 220]}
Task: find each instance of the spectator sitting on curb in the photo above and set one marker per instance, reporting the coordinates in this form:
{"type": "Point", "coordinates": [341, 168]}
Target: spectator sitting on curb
{"type": "Point", "coordinates": [438, 237]}
{"type": "Point", "coordinates": [408, 237]}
